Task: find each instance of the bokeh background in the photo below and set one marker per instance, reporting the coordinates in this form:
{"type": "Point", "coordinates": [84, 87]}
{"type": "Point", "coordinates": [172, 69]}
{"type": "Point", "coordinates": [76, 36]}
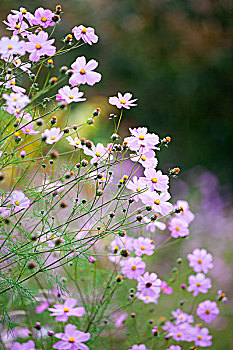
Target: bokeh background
{"type": "Point", "coordinates": [175, 56]}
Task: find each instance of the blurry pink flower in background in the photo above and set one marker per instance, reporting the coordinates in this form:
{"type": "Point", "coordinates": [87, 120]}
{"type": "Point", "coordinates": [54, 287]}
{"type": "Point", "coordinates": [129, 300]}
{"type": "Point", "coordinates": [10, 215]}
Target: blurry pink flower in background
{"type": "Point", "coordinates": [87, 34]}
{"type": "Point", "coordinates": [199, 284]}
{"type": "Point", "coordinates": [200, 260]}
{"type": "Point", "coordinates": [181, 317]}
{"type": "Point", "coordinates": [178, 228]}
{"type": "Point", "coordinates": [165, 289]}
{"type": "Point", "coordinates": [143, 246]}
{"type": "Point", "coordinates": [120, 320]}
{"type": "Point", "coordinates": [138, 347]}
{"type": "Point", "coordinates": [149, 284]}
{"type": "Point", "coordinates": [201, 337]}
{"type": "Point", "coordinates": [74, 142]}
{"type": "Point", "coordinates": [19, 200]}
{"type": "Point", "coordinates": [207, 311]}
{"type": "Point", "coordinates": [133, 267]}
{"type": "Point", "coordinates": [152, 225]}
{"type": "Point", "coordinates": [30, 345]}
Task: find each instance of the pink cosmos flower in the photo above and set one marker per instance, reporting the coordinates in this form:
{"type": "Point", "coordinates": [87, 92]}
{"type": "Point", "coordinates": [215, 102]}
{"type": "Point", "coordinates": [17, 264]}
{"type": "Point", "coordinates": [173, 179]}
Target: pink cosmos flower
{"type": "Point", "coordinates": [86, 33]}
{"type": "Point", "coordinates": [152, 225]}
{"type": "Point", "coordinates": [11, 46]}
{"type": "Point", "coordinates": [83, 72]}
{"type": "Point", "coordinates": [30, 345]}
{"type": "Point", "coordinates": [133, 267]}
{"type": "Point", "coordinates": [178, 228]}
{"type": "Point", "coordinates": [181, 332]}
{"type": "Point", "coordinates": [149, 284]}
{"type": "Point", "coordinates": [24, 66]}
{"type": "Point", "coordinates": [74, 142]}
{"type": "Point", "coordinates": [44, 305]}
{"type": "Point", "coordinates": [72, 339]}
{"type": "Point", "coordinates": [147, 299]}
{"type": "Point", "coordinates": [185, 214]}
{"type": "Point", "coordinates": [207, 311]}
{"type": "Point", "coordinates": [64, 311]}
{"type": "Point", "coordinates": [158, 202]}
{"type": "Point", "coordinates": [120, 320]}
{"type": "Point", "coordinates": [29, 130]}
{"type": "Point", "coordinates": [16, 100]}
{"type": "Point", "coordinates": [141, 139]}
{"type": "Point", "coordinates": [19, 200]}
{"type": "Point", "coordinates": [165, 289]}
{"type": "Point", "coordinates": [98, 153]}
{"type": "Point", "coordinates": [39, 46]}
{"type": "Point", "coordinates": [138, 347]}
{"type": "Point", "coordinates": [181, 317]}
{"type": "Point", "coordinates": [16, 25]}
{"type": "Point", "coordinates": [122, 101]}
{"type": "Point", "coordinates": [201, 337]}
{"type": "Point", "coordinates": [200, 260]}
{"type": "Point", "coordinates": [52, 135]}
{"type": "Point", "coordinates": [155, 180]}
{"type": "Point", "coordinates": [143, 246]}
{"type": "Point", "coordinates": [174, 347]}
{"type": "Point", "coordinates": [199, 284]}
{"type": "Point", "coordinates": [147, 159]}
{"type": "Point", "coordinates": [118, 243]}
{"type": "Point", "coordinates": [137, 186]}
{"type": "Point", "coordinates": [43, 18]}
{"type": "Point", "coordinates": [68, 95]}
{"type": "Point", "coordinates": [4, 211]}
{"type": "Point", "coordinates": [11, 84]}
{"type": "Point", "coordinates": [23, 13]}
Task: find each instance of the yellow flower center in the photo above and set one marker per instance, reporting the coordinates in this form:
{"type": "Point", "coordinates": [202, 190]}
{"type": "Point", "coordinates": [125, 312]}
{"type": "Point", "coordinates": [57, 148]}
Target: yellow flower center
{"type": "Point", "coordinates": [154, 180]}
{"type": "Point", "coordinates": [27, 130]}
{"type": "Point", "coordinates": [223, 295]}
{"type": "Point", "coordinates": [17, 26]}
{"type": "Point", "coordinates": [143, 158]}
{"type": "Point", "coordinates": [17, 111]}
{"type": "Point", "coordinates": [17, 203]}
{"type": "Point", "coordinates": [122, 101]}
{"type": "Point", "coordinates": [199, 261]}
{"type": "Point", "coordinates": [52, 137]}
{"type": "Point", "coordinates": [24, 11]}
{"type": "Point", "coordinates": [138, 189]}
{"type": "Point", "coordinates": [71, 97]}
{"type": "Point", "coordinates": [12, 82]}
{"type": "Point", "coordinates": [84, 31]}
{"type": "Point", "coordinates": [10, 47]}
{"type": "Point", "coordinates": [133, 268]}
{"type": "Point", "coordinates": [77, 142]}
{"type": "Point", "coordinates": [82, 71]}
{"type": "Point", "coordinates": [177, 228]}
{"type": "Point", "coordinates": [146, 297]}
{"type": "Point", "coordinates": [71, 340]}
{"type": "Point", "coordinates": [179, 335]}
{"type": "Point", "coordinates": [38, 46]}
{"type": "Point", "coordinates": [97, 154]}
{"type": "Point", "coordinates": [16, 61]}
{"type": "Point", "coordinates": [199, 337]}
{"type": "Point", "coordinates": [103, 179]}
{"type": "Point", "coordinates": [125, 177]}
{"type": "Point", "coordinates": [43, 19]}
{"type": "Point", "coordinates": [16, 134]}
{"type": "Point", "coordinates": [15, 99]}
{"type": "Point", "coordinates": [198, 284]}
{"type": "Point", "coordinates": [143, 247]}
{"type": "Point", "coordinates": [66, 309]}
{"type": "Point", "coordinates": [207, 312]}
{"type": "Point", "coordinates": [141, 137]}
{"type": "Point", "coordinates": [157, 201]}
{"type": "Point", "coordinates": [116, 248]}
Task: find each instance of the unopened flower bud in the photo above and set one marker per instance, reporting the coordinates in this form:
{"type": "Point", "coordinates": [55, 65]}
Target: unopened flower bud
{"type": "Point", "coordinates": [56, 18]}
{"type": "Point", "coordinates": [119, 278]}
{"type": "Point", "coordinates": [37, 326]}
{"type": "Point", "coordinates": [112, 215]}
{"type": "Point", "coordinates": [66, 130]}
{"type": "Point", "coordinates": [50, 333]}
{"type": "Point", "coordinates": [96, 112]}
{"type": "Point", "coordinates": [53, 120]}
{"type": "Point", "coordinates": [22, 154]}
{"type": "Point", "coordinates": [63, 204]}
{"type": "Point", "coordinates": [68, 38]}
{"type": "Point", "coordinates": [40, 122]}
{"type": "Point", "coordinates": [124, 252]}
{"type": "Point", "coordinates": [84, 163]}
{"type": "Point", "coordinates": [2, 176]}
{"type": "Point", "coordinates": [69, 72]}
{"type": "Point", "coordinates": [115, 137]}
{"type": "Point", "coordinates": [88, 144]}
{"type": "Point", "coordinates": [31, 265]}
{"type": "Point", "coordinates": [63, 69]}
{"type": "Point", "coordinates": [53, 80]}
{"type": "Point", "coordinates": [90, 121]}
{"type": "Point", "coordinates": [91, 259]}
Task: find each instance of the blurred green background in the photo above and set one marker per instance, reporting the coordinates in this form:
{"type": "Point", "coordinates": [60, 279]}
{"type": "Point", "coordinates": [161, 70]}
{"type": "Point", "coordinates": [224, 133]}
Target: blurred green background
{"type": "Point", "coordinates": [175, 56]}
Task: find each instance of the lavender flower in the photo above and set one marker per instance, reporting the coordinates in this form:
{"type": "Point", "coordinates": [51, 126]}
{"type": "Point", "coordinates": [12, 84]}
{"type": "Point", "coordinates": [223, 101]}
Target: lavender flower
{"type": "Point", "coordinates": [207, 311]}
{"type": "Point", "coordinates": [83, 72]}
{"type": "Point", "coordinates": [72, 339]}
{"type": "Point", "coordinates": [64, 311]}
{"type": "Point", "coordinates": [87, 34]}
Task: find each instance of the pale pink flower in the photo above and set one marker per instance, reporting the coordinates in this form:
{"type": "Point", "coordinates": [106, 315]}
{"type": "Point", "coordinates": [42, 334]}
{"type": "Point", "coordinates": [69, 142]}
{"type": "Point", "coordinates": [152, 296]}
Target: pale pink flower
{"type": "Point", "coordinates": [122, 101]}
{"type": "Point", "coordinates": [39, 46]}
{"type": "Point", "coordinates": [23, 13]}
{"type": "Point", "coordinates": [199, 284]}
{"type": "Point", "coordinates": [174, 347]}
{"type": "Point", "coordinates": [11, 84]}
{"type": "Point", "coordinates": [11, 46]}
{"type": "Point", "coordinates": [18, 27]}
{"type": "Point", "coordinates": [24, 66]}
{"type": "Point", "coordinates": [29, 130]}
{"type": "Point", "coordinates": [120, 320]}
{"type": "Point", "coordinates": [137, 186]}
{"type": "Point", "coordinates": [178, 228]}
{"type": "Point", "coordinates": [98, 153]}
{"type": "Point", "coordinates": [30, 345]}
{"type": "Point", "coordinates": [155, 180]}
{"type": "Point", "coordinates": [16, 100]}
{"type": "Point", "coordinates": [165, 289]}
{"type": "Point", "coordinates": [147, 159]}
{"type": "Point", "coordinates": [143, 246]}
{"type": "Point", "coordinates": [207, 311]}
{"type": "Point", "coordinates": [68, 95]}
{"type": "Point", "coordinates": [52, 135]}
{"type": "Point", "coordinates": [149, 284]}
{"type": "Point", "coordinates": [72, 339]}
{"type": "Point", "coordinates": [147, 299]}
{"type": "Point", "coordinates": [200, 260]}
{"type": "Point", "coordinates": [201, 337]}
{"type": "Point", "coordinates": [133, 267]}
{"type": "Point", "coordinates": [87, 34]}
{"type": "Point", "coordinates": [181, 317]}
{"type": "Point", "coordinates": [138, 347]}
{"type": "Point", "coordinates": [141, 139]}
{"type": "Point", "coordinates": [158, 202]}
{"type": "Point", "coordinates": [64, 311]}
{"type": "Point", "coordinates": [19, 200]}
{"type": "Point", "coordinates": [74, 142]}
{"type": "Point", "coordinates": [83, 72]}
{"type": "Point", "coordinates": [43, 18]}
{"type": "Point", "coordinates": [185, 214]}
{"type": "Point", "coordinates": [152, 225]}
